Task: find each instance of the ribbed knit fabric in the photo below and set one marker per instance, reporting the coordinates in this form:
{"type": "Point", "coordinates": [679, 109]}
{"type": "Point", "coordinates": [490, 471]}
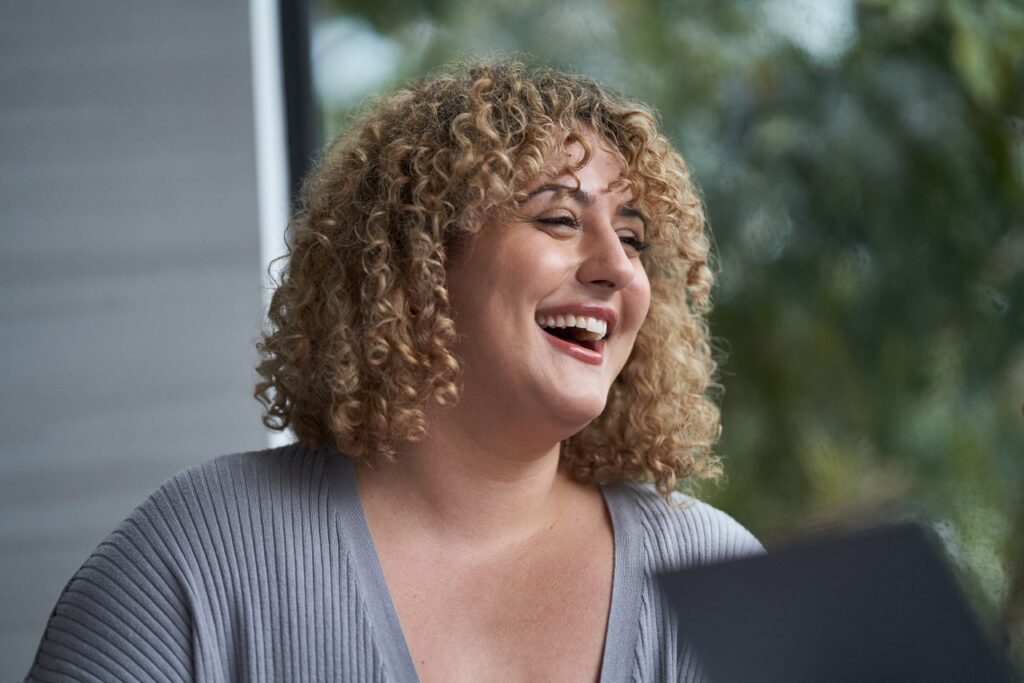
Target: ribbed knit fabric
{"type": "Point", "coordinates": [260, 567]}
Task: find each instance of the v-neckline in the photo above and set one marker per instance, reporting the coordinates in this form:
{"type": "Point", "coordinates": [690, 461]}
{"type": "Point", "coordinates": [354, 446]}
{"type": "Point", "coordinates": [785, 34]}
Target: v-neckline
{"type": "Point", "coordinates": [627, 579]}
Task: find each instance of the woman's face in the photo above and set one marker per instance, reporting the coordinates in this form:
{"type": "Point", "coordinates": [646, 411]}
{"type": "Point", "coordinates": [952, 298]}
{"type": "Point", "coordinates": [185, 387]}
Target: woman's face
{"type": "Point", "coordinates": [548, 304]}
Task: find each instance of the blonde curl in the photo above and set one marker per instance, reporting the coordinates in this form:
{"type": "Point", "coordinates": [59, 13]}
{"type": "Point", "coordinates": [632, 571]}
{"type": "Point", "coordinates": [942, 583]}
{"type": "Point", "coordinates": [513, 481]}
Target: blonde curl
{"type": "Point", "coordinates": [360, 328]}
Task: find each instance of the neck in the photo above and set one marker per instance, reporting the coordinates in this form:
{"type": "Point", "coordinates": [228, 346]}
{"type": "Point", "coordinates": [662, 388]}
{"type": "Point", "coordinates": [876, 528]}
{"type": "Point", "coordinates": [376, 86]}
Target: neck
{"type": "Point", "coordinates": [475, 489]}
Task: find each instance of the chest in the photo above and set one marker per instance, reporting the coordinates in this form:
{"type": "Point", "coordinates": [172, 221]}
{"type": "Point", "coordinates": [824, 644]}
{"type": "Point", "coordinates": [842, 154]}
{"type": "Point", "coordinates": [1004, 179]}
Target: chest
{"type": "Point", "coordinates": [530, 616]}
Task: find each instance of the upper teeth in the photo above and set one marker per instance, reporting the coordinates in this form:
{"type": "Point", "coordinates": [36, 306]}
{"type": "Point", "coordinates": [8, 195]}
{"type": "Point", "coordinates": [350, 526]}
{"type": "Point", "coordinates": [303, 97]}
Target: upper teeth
{"type": "Point", "coordinates": [597, 327]}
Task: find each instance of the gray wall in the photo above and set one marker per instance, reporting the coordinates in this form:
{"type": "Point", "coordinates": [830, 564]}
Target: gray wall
{"type": "Point", "coordinates": [129, 263]}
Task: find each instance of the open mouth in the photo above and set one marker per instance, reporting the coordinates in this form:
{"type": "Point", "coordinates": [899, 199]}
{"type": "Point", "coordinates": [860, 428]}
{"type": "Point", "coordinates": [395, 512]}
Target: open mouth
{"type": "Point", "coordinates": [570, 336]}
{"type": "Point", "coordinates": [584, 331]}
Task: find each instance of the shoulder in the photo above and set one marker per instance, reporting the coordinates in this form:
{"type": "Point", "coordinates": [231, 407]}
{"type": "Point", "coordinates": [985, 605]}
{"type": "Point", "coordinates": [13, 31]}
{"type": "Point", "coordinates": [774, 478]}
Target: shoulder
{"type": "Point", "coordinates": [282, 466]}
{"type": "Point", "coordinates": [685, 532]}
{"type": "Point", "coordinates": [244, 480]}
{"type": "Point", "coordinates": [205, 518]}
{"type": "Point", "coordinates": [172, 574]}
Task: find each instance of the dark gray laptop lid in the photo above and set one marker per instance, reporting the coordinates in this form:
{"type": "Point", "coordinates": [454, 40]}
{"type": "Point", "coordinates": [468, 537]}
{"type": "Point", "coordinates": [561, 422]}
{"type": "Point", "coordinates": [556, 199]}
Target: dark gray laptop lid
{"type": "Point", "coordinates": [877, 605]}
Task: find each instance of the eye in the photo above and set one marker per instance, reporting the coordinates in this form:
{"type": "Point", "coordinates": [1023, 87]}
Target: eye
{"type": "Point", "coordinates": [561, 220]}
{"type": "Point", "coordinates": [633, 244]}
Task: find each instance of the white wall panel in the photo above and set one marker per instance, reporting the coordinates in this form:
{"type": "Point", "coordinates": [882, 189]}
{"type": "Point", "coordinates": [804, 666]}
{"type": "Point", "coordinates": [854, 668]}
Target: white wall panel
{"type": "Point", "coordinates": [129, 273]}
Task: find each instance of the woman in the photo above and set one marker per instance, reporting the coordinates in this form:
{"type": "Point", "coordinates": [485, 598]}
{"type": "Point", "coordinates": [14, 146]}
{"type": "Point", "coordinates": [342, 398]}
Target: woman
{"type": "Point", "coordinates": [490, 327]}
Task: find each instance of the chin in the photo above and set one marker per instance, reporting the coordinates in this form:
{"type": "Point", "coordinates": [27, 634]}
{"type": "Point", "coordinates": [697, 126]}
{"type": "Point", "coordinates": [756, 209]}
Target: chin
{"type": "Point", "coordinates": [576, 413]}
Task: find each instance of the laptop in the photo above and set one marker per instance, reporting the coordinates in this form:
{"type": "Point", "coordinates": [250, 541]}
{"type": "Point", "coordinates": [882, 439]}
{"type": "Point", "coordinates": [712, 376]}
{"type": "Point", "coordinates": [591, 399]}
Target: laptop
{"type": "Point", "coordinates": [875, 605]}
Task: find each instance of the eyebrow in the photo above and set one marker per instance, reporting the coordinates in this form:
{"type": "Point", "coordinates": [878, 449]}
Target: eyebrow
{"type": "Point", "coordinates": [584, 198]}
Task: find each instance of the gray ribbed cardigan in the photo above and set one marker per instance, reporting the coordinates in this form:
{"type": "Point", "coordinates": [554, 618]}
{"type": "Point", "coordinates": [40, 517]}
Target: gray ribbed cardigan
{"type": "Point", "coordinates": [260, 567]}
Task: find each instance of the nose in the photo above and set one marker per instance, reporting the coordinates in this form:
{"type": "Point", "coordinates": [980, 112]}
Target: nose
{"type": "Point", "coordinates": [604, 259]}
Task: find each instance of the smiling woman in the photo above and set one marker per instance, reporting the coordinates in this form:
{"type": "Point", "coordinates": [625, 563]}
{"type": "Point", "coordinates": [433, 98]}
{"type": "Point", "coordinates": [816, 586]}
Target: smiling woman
{"type": "Point", "coordinates": [422, 173]}
{"type": "Point", "coordinates": [490, 340]}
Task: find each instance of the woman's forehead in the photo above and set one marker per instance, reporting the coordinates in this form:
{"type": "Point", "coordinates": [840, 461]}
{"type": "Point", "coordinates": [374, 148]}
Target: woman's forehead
{"type": "Point", "coordinates": [573, 151]}
{"type": "Point", "coordinates": [584, 154]}
{"type": "Point", "coordinates": [573, 147]}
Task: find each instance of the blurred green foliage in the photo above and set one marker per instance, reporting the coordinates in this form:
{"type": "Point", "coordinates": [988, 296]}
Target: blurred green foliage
{"type": "Point", "coordinates": [863, 169]}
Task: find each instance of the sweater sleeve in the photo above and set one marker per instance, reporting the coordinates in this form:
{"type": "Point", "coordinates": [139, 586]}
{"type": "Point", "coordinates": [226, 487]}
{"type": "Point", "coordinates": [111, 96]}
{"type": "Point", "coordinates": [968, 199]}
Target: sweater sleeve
{"type": "Point", "coordinates": [126, 614]}
{"type": "Point", "coordinates": [688, 532]}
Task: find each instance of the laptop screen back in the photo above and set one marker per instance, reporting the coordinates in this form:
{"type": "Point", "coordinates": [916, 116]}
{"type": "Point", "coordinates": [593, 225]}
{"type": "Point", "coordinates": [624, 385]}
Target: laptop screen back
{"type": "Point", "coordinates": [878, 605]}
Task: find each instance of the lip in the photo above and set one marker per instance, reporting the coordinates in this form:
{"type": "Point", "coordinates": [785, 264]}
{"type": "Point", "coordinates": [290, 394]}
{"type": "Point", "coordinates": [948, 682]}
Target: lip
{"type": "Point", "coordinates": [592, 357]}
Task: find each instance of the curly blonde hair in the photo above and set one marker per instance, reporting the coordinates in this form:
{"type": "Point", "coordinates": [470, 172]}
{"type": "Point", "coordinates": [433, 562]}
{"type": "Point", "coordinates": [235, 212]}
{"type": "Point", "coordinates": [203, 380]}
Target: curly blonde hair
{"type": "Point", "coordinates": [360, 328]}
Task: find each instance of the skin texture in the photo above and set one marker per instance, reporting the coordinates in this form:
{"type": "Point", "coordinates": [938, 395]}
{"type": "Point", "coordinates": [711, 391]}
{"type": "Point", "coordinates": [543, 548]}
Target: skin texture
{"type": "Point", "coordinates": [488, 548]}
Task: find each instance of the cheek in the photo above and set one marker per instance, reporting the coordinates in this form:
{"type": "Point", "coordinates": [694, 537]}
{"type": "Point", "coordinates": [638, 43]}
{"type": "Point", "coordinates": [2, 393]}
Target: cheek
{"type": "Point", "coordinates": [533, 271]}
{"type": "Point", "coordinates": [637, 297]}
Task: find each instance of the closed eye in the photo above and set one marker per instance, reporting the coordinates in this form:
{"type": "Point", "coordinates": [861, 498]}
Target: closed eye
{"type": "Point", "coordinates": [635, 243]}
{"type": "Point", "coordinates": [568, 221]}
{"type": "Point", "coordinates": [632, 244]}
